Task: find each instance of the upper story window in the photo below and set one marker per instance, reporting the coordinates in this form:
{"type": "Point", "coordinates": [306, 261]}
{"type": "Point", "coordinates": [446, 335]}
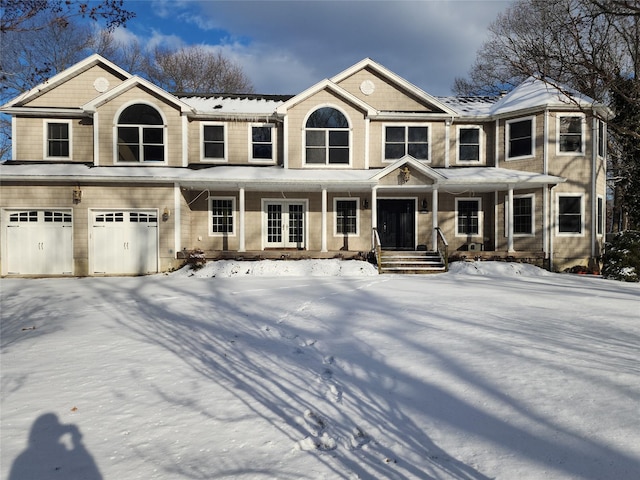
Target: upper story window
{"type": "Point", "coordinates": [141, 134]}
{"type": "Point", "coordinates": [406, 140]}
{"type": "Point", "coordinates": [327, 137]}
{"type": "Point", "coordinates": [469, 144]}
{"type": "Point", "coordinates": [570, 138]}
{"type": "Point", "coordinates": [58, 139]}
{"type": "Point", "coordinates": [520, 137]}
{"type": "Point", "coordinates": [213, 142]}
{"type": "Point", "coordinates": [262, 143]}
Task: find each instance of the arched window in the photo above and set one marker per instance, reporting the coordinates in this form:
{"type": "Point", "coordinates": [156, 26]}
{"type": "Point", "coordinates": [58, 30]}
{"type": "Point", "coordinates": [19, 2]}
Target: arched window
{"type": "Point", "coordinates": [327, 137]}
{"type": "Point", "coordinates": [140, 134]}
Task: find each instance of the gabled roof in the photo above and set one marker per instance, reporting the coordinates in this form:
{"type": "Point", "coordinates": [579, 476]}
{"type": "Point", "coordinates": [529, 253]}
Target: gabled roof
{"type": "Point", "coordinates": [395, 79]}
{"type": "Point", "coordinates": [64, 76]}
{"type": "Point", "coordinates": [409, 160]}
{"type": "Point", "coordinates": [326, 85]}
{"type": "Point", "coordinates": [127, 85]}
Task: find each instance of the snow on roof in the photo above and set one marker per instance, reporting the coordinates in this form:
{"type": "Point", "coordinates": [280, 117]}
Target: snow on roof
{"type": "Point", "coordinates": [226, 103]}
{"type": "Point", "coordinates": [265, 176]}
{"type": "Point", "coordinates": [470, 106]}
{"type": "Point", "coordinates": [534, 92]}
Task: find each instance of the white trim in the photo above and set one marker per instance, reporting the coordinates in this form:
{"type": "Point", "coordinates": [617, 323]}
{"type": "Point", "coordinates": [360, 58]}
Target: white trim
{"type": "Point", "coordinates": [234, 219]}
{"type": "Point", "coordinates": [481, 145]}
{"type": "Point", "coordinates": [349, 130]}
{"type": "Point", "coordinates": [45, 134]}
{"type": "Point", "coordinates": [274, 143]}
{"type": "Point", "coordinates": [96, 139]}
{"type": "Point", "coordinates": [582, 118]}
{"type": "Point", "coordinates": [323, 222]}
{"type": "Point", "coordinates": [283, 201]}
{"type": "Point", "coordinates": [582, 214]}
{"type": "Point", "coordinates": [406, 125]}
{"type": "Point", "coordinates": [225, 140]}
{"type": "Point", "coordinates": [507, 137]}
{"type": "Point", "coordinates": [185, 141]}
{"type": "Point", "coordinates": [335, 216]}
{"type": "Point", "coordinates": [533, 215]}
{"type": "Point", "coordinates": [241, 220]}
{"type": "Point", "coordinates": [545, 146]}
{"type": "Point", "coordinates": [165, 136]}
{"type": "Point", "coordinates": [480, 233]}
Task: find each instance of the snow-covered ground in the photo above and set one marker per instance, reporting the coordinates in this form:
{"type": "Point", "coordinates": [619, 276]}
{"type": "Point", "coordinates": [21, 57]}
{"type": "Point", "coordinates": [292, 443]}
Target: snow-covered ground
{"type": "Point", "coordinates": [321, 370]}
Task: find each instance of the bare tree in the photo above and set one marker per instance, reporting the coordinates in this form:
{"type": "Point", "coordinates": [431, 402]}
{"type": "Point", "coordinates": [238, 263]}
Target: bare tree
{"type": "Point", "coordinates": [197, 69]}
{"type": "Point", "coordinates": [18, 15]}
{"type": "Point", "coordinates": [592, 46]}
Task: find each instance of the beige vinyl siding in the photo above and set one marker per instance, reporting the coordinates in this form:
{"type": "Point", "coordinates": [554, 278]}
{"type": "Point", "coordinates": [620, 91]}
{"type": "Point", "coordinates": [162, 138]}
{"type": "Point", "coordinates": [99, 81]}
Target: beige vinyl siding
{"type": "Point", "coordinates": [297, 116]}
{"type": "Point", "coordinates": [386, 96]}
{"type": "Point", "coordinates": [107, 119]}
{"type": "Point", "coordinates": [32, 135]}
{"type": "Point", "coordinates": [520, 242]}
{"type": "Point", "coordinates": [77, 90]}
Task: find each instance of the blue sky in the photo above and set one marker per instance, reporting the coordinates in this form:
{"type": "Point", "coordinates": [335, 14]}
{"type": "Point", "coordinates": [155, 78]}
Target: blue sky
{"type": "Point", "coordinates": [285, 47]}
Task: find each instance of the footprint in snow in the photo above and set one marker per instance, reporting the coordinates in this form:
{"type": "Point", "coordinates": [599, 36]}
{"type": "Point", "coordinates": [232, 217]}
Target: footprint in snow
{"type": "Point", "coordinates": [359, 438]}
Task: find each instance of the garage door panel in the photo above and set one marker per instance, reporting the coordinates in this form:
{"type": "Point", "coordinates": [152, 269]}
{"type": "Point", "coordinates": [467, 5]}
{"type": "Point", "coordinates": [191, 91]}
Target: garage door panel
{"type": "Point", "coordinates": [39, 242]}
{"type": "Point", "coordinates": [125, 242]}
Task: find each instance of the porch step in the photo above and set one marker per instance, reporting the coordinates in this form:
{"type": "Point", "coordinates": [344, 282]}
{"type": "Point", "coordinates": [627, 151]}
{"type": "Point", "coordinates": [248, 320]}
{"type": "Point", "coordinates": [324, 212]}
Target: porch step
{"type": "Point", "coordinates": [417, 262]}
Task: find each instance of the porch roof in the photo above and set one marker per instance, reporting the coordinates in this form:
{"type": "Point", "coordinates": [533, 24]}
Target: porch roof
{"type": "Point", "coordinates": [271, 177]}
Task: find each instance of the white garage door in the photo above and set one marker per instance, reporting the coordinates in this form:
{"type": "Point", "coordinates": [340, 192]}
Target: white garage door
{"type": "Point", "coordinates": [124, 241]}
{"type": "Point", "coordinates": [39, 242]}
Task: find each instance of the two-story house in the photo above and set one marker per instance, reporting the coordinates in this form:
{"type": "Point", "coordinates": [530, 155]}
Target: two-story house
{"type": "Point", "coordinates": [112, 175]}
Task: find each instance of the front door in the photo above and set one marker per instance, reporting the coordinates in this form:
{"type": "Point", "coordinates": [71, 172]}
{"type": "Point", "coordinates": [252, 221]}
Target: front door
{"type": "Point", "coordinates": [285, 225]}
{"type": "Point", "coordinates": [396, 224]}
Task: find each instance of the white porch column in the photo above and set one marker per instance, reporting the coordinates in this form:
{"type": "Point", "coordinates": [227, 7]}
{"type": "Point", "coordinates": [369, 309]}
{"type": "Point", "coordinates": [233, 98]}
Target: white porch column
{"type": "Point", "coordinates": [374, 208]}
{"type": "Point", "coordinates": [510, 220]}
{"type": "Point", "coordinates": [323, 223]}
{"type": "Point", "coordinates": [241, 208]}
{"type": "Point", "coordinates": [434, 219]}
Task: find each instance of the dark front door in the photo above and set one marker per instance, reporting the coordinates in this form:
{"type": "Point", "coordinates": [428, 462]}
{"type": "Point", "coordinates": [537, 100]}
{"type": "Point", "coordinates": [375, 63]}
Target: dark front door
{"type": "Point", "coordinates": [396, 224]}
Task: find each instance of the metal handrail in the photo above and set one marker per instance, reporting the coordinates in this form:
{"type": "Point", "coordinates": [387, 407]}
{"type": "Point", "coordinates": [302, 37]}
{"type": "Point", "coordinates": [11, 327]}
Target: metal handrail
{"type": "Point", "coordinates": [444, 254]}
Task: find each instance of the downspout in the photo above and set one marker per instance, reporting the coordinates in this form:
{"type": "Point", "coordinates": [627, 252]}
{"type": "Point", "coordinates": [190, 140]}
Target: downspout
{"type": "Point", "coordinates": [510, 248]}
{"type": "Point", "coordinates": [496, 153]}
{"type": "Point", "coordinates": [177, 219]}
{"type": "Point", "coordinates": [552, 226]}
{"type": "Point", "coordinates": [185, 141]}
{"type": "Point", "coordinates": [594, 190]}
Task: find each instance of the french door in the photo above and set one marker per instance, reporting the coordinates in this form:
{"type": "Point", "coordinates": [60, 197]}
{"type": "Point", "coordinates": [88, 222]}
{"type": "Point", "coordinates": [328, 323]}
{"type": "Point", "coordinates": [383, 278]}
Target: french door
{"type": "Point", "coordinates": [285, 224]}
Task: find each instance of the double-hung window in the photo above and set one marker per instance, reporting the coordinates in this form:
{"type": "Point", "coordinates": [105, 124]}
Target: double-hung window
{"type": "Point", "coordinates": [570, 214]}
{"type": "Point", "coordinates": [58, 139]}
{"type": "Point", "coordinates": [468, 216]}
{"type": "Point", "coordinates": [262, 143]}
{"type": "Point", "coordinates": [600, 216]}
{"type": "Point", "coordinates": [141, 134]}
{"type": "Point", "coordinates": [523, 215]}
{"type": "Point", "coordinates": [213, 142]}
{"type": "Point", "coordinates": [327, 138]}
{"type": "Point", "coordinates": [406, 140]}
{"type": "Point", "coordinates": [221, 215]}
{"type": "Point", "coordinates": [469, 144]}
{"type": "Point", "coordinates": [346, 219]}
{"type": "Point", "coordinates": [520, 138]}
{"type": "Point", "coordinates": [570, 137]}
